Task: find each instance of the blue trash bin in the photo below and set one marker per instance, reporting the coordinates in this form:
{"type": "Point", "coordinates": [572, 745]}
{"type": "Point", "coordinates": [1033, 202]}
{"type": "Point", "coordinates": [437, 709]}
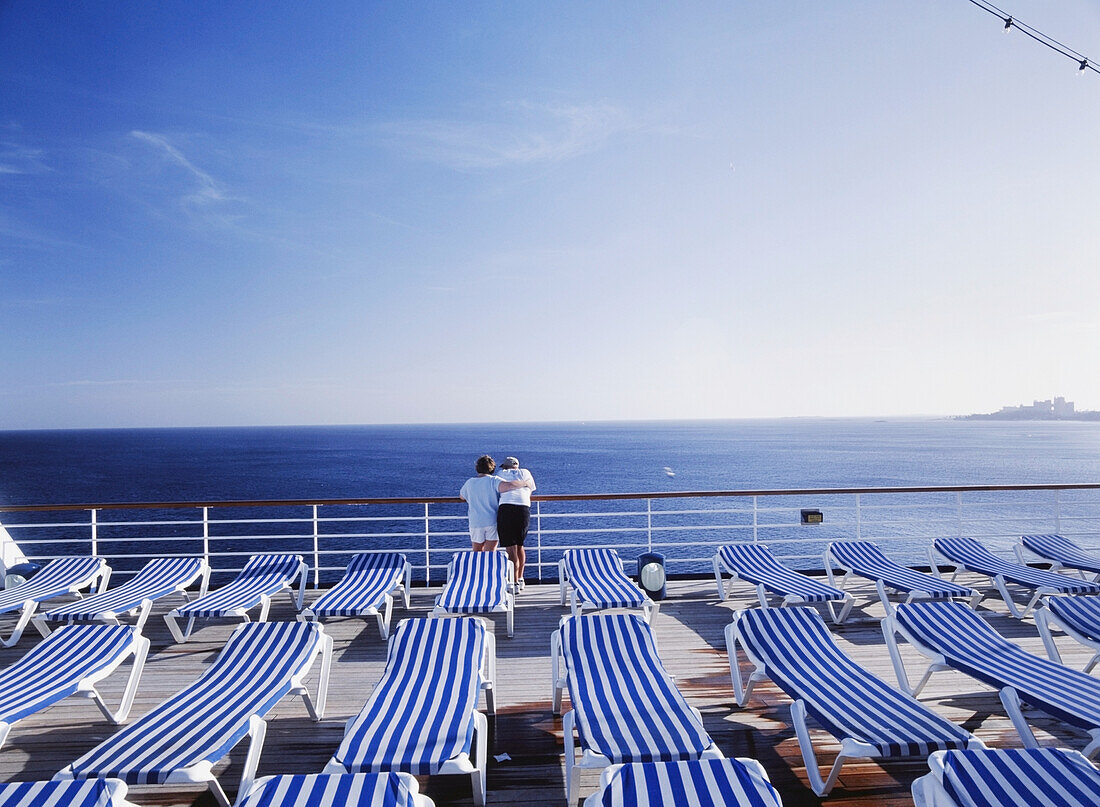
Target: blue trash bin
{"type": "Point", "coordinates": [651, 575]}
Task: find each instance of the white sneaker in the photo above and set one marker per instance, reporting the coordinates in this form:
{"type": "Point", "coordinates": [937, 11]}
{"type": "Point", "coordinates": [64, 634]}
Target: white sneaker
{"type": "Point", "coordinates": [521, 584]}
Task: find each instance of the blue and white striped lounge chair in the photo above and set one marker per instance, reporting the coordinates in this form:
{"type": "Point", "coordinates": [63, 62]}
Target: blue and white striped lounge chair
{"type": "Point", "coordinates": [969, 555]}
{"type": "Point", "coordinates": [262, 578]}
{"type": "Point", "coordinates": [626, 707]}
{"type": "Point", "coordinates": [335, 790]}
{"type": "Point", "coordinates": [595, 580]}
{"type": "Point", "coordinates": [183, 738]}
{"type": "Point", "coordinates": [698, 782]}
{"type": "Point", "coordinates": [1015, 777]}
{"type": "Point", "coordinates": [952, 636]}
{"type": "Point", "coordinates": [55, 579]}
{"type": "Point", "coordinates": [756, 564]}
{"type": "Point", "coordinates": [368, 585]}
{"type": "Point", "coordinates": [865, 559]}
{"type": "Point", "coordinates": [794, 648]}
{"type": "Point", "coordinates": [478, 583]}
{"type": "Point", "coordinates": [71, 662]}
{"type": "Point", "coordinates": [91, 793]}
{"type": "Point", "coordinates": [1078, 618]}
{"type": "Point", "coordinates": [159, 578]}
{"type": "Point", "coordinates": [1060, 552]}
{"type": "Point", "coordinates": [422, 716]}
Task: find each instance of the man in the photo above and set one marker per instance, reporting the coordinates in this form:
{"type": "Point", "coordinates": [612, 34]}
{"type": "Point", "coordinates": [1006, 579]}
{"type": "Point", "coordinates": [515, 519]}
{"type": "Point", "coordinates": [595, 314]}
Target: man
{"type": "Point", "coordinates": [480, 493]}
{"type": "Point", "coordinates": [514, 514]}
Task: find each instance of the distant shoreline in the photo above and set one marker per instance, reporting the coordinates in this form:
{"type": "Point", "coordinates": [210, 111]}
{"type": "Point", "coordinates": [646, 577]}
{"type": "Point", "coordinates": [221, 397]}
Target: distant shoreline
{"type": "Point", "coordinates": [1027, 416]}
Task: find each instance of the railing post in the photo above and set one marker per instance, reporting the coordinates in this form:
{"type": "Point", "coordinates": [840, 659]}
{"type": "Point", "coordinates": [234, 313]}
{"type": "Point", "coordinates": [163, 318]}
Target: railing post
{"type": "Point", "coordinates": [859, 519]}
{"type": "Point", "coordinates": [95, 533]}
{"type": "Point", "coordinates": [959, 510]}
{"type": "Point", "coordinates": [755, 521]}
{"type": "Point", "coordinates": [206, 535]}
{"type": "Point", "coordinates": [427, 549]}
{"type": "Point", "coordinates": [316, 551]}
{"type": "Point", "coordinates": [538, 536]}
{"type": "Point", "coordinates": [649, 524]}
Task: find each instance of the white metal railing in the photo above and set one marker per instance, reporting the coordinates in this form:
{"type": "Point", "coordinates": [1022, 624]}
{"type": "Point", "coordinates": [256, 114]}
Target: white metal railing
{"type": "Point", "coordinates": [686, 527]}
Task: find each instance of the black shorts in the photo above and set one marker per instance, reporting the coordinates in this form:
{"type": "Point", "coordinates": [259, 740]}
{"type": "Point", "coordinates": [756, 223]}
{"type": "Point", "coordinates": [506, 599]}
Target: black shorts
{"type": "Point", "coordinates": [512, 523]}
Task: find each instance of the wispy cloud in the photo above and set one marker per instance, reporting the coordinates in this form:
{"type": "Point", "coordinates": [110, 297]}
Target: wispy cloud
{"type": "Point", "coordinates": [19, 159]}
{"type": "Point", "coordinates": [523, 134]}
{"type": "Point", "coordinates": [206, 190]}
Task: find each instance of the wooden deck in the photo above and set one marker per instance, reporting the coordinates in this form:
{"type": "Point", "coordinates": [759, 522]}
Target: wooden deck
{"type": "Point", "coordinates": [690, 638]}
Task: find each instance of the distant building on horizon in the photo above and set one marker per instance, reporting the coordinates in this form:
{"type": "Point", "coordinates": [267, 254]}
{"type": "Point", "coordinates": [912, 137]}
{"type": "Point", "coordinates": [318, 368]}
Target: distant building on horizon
{"type": "Point", "coordinates": [1057, 409]}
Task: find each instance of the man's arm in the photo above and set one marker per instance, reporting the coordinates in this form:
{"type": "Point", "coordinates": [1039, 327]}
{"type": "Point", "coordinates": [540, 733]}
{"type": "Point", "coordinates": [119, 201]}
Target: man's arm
{"type": "Point", "coordinates": [505, 486]}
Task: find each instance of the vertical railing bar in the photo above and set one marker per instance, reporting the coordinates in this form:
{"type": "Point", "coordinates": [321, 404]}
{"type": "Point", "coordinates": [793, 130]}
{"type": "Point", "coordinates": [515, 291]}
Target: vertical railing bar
{"type": "Point", "coordinates": [427, 549]}
{"type": "Point", "coordinates": [649, 524]}
{"type": "Point", "coordinates": [206, 535]}
{"type": "Point", "coordinates": [95, 533]}
{"type": "Point", "coordinates": [316, 551]}
{"type": "Point", "coordinates": [1057, 511]}
{"type": "Point", "coordinates": [538, 536]}
{"type": "Point", "coordinates": [859, 519]}
{"type": "Point", "coordinates": [959, 510]}
{"type": "Point", "coordinates": [755, 521]}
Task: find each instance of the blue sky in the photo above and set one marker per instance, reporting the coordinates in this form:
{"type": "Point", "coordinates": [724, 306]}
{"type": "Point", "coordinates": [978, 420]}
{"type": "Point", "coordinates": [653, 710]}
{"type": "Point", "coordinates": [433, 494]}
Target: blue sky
{"type": "Point", "coordinates": [223, 214]}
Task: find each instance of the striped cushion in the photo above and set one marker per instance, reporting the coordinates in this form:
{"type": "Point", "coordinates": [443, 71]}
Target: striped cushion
{"type": "Point", "coordinates": [369, 578]}
{"type": "Point", "coordinates": [158, 578]}
{"type": "Point", "coordinates": [52, 580]}
{"type": "Point", "coordinates": [698, 782]}
{"type": "Point", "coordinates": [1080, 613]}
{"type": "Point", "coordinates": [1020, 778]}
{"type": "Point", "coordinates": [627, 707]}
{"type": "Point", "coordinates": [1063, 550]}
{"type": "Point", "coordinates": [262, 576]}
{"type": "Point", "coordinates": [421, 713]}
{"type": "Point", "coordinates": [969, 644]}
{"type": "Point", "coordinates": [597, 578]}
{"type": "Point", "coordinates": [975, 557]}
{"type": "Point", "coordinates": [205, 720]}
{"type": "Point", "coordinates": [93, 793]}
{"type": "Point", "coordinates": [800, 656]}
{"type": "Point", "coordinates": [866, 559]}
{"type": "Point", "coordinates": [478, 583]}
{"type": "Point", "coordinates": [756, 563]}
{"type": "Point", "coordinates": [55, 667]}
{"type": "Point", "coordinates": [326, 789]}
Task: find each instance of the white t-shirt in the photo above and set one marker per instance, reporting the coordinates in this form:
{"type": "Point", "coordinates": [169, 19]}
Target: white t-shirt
{"type": "Point", "coordinates": [519, 495]}
{"type": "Point", "coordinates": [481, 494]}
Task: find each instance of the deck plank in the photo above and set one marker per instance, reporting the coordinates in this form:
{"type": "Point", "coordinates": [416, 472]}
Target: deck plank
{"type": "Point", "coordinates": [691, 643]}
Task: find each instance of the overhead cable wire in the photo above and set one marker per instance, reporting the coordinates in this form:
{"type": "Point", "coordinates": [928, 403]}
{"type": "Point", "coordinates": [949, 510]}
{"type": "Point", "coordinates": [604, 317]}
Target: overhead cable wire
{"type": "Point", "coordinates": [1010, 23]}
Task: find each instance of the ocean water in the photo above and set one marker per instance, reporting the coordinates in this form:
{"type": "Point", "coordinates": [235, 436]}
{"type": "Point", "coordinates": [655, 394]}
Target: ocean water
{"type": "Point", "coordinates": [161, 465]}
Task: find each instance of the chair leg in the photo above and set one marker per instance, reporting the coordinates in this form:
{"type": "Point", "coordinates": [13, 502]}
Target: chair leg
{"type": "Point", "coordinates": [481, 743]}
{"type": "Point", "coordinates": [718, 579]}
{"type": "Point", "coordinates": [42, 626]}
{"type": "Point", "coordinates": [174, 628]}
{"type": "Point", "coordinates": [316, 708]}
{"type": "Point", "coordinates": [570, 759]}
{"type": "Point", "coordinates": [813, 772]}
{"type": "Point", "coordinates": [141, 651]}
{"type": "Point", "coordinates": [1042, 622]}
{"type": "Point", "coordinates": [384, 621]}
{"type": "Point", "coordinates": [24, 618]}
{"type": "Point", "coordinates": [555, 672]}
{"type": "Point", "coordinates": [1011, 701]}
{"type": "Point", "coordinates": [742, 692]}
{"type": "Point", "coordinates": [257, 732]}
